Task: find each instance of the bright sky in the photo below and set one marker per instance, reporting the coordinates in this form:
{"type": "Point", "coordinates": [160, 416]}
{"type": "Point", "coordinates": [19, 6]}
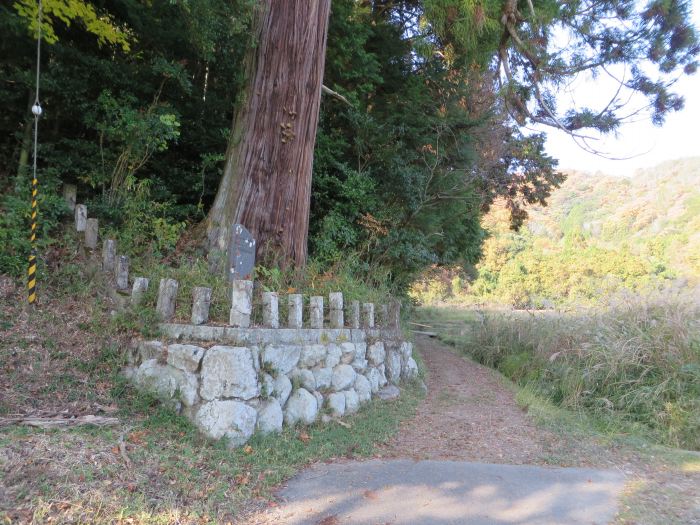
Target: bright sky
{"type": "Point", "coordinates": [647, 144]}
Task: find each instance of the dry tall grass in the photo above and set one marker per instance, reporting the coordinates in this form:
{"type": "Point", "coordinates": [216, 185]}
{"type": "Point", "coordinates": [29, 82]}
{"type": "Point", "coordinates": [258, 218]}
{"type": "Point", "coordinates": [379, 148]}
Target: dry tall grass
{"type": "Point", "coordinates": [634, 360]}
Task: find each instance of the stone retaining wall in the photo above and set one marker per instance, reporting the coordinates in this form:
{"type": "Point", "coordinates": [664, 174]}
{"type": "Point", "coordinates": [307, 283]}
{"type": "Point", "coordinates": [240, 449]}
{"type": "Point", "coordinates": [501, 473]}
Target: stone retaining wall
{"type": "Point", "coordinates": [232, 382]}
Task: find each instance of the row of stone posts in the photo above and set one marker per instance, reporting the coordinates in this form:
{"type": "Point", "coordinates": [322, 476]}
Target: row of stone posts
{"type": "Point", "coordinates": [359, 315]}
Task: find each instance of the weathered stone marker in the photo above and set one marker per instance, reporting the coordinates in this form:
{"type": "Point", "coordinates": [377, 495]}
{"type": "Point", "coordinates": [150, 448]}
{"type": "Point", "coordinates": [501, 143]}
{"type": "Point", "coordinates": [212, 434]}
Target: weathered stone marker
{"type": "Point", "coordinates": [241, 257]}
{"type": "Point", "coordinates": [271, 315]}
{"type": "Point", "coordinates": [316, 311]}
{"type": "Point", "coordinates": [138, 290]}
{"type": "Point", "coordinates": [335, 301]}
{"type": "Point", "coordinates": [395, 314]}
{"type": "Point", "coordinates": [354, 314]}
{"type": "Point", "coordinates": [368, 315]}
{"type": "Point", "coordinates": [295, 315]}
{"type": "Point", "coordinates": [121, 272]}
{"type": "Point", "coordinates": [201, 301]}
{"type": "Point", "coordinates": [384, 315]}
{"type": "Point", "coordinates": [167, 296]}
{"type": "Point", "coordinates": [241, 303]}
{"type": "Point", "coordinates": [109, 255]}
{"type": "Point", "coordinates": [70, 195]}
{"type": "Point", "coordinates": [91, 233]}
{"type": "Point", "coordinates": [80, 217]}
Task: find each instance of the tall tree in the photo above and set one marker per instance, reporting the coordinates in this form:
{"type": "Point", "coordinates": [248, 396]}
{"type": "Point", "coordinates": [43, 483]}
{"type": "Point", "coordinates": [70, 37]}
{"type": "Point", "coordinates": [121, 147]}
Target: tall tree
{"type": "Point", "coordinates": [266, 184]}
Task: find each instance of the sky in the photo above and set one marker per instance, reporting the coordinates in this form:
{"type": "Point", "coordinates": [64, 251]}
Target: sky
{"type": "Point", "coordinates": [645, 144]}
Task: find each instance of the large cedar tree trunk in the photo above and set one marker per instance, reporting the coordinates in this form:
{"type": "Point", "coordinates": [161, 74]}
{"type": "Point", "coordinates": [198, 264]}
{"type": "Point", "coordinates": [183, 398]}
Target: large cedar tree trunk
{"type": "Point", "coordinates": [266, 184]}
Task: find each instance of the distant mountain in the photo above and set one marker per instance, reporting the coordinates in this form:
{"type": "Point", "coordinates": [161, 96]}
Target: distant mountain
{"type": "Point", "coordinates": [656, 213]}
{"type": "Point", "coordinates": [599, 234]}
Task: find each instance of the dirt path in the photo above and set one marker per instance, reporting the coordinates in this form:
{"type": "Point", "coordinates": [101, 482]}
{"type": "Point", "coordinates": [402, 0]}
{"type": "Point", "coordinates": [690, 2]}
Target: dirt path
{"type": "Point", "coordinates": [469, 414]}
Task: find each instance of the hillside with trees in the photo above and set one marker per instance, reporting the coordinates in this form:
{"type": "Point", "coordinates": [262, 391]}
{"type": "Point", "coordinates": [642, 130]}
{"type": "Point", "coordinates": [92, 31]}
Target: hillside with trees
{"type": "Point", "coordinates": [598, 235]}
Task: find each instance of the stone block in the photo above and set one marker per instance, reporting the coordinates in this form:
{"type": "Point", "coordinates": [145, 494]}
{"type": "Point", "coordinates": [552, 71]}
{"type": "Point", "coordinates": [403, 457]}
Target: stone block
{"type": "Point", "coordinates": [229, 419]}
{"type": "Point", "coordinates": [343, 377]}
{"type": "Point", "coordinates": [316, 311]}
{"type": "Point", "coordinates": [165, 381]}
{"type": "Point", "coordinates": [323, 377]}
{"type": "Point", "coordinates": [271, 317]}
{"type": "Point", "coordinates": [354, 314]}
{"type": "Point", "coordinates": [336, 314]}
{"type": "Point", "coordinates": [410, 370]}
{"type": "Point", "coordinates": [281, 358]}
{"type": "Point", "coordinates": [352, 401]}
{"type": "Point", "coordinates": [121, 272]}
{"type": "Point", "coordinates": [109, 255]}
{"type": "Point", "coordinates": [228, 371]}
{"type": "Point", "coordinates": [70, 195]}
{"type": "Point", "coordinates": [302, 407]}
{"type": "Point", "coordinates": [333, 355]}
{"type": "Point", "coordinates": [376, 353]}
{"type": "Point", "coordinates": [201, 302]}
{"type": "Point", "coordinates": [373, 377]}
{"type": "Point", "coordinates": [92, 229]}
{"type": "Point", "coordinates": [363, 389]}
{"type": "Point", "coordinates": [336, 403]}
{"type": "Point", "coordinates": [348, 353]}
{"type": "Point", "coordinates": [80, 217]}
{"type": "Point", "coordinates": [138, 290]}
{"type": "Point", "coordinates": [368, 315]}
{"type": "Point", "coordinates": [295, 311]}
{"type": "Point", "coordinates": [167, 297]}
{"type": "Point", "coordinates": [389, 392]}
{"type": "Point", "coordinates": [270, 417]}
{"type": "Point", "coordinates": [282, 389]}
{"type": "Point", "coordinates": [359, 365]}
{"type": "Point", "coordinates": [241, 303]}
{"type": "Point", "coordinates": [185, 357]}
{"type": "Point", "coordinates": [393, 366]}
{"type": "Point", "coordinates": [312, 355]}
{"type": "Point", "coordinates": [304, 378]}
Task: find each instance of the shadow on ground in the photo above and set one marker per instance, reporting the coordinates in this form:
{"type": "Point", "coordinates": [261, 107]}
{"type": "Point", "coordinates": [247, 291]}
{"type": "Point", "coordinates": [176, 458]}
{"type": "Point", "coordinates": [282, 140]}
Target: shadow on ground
{"type": "Point", "coordinates": [448, 492]}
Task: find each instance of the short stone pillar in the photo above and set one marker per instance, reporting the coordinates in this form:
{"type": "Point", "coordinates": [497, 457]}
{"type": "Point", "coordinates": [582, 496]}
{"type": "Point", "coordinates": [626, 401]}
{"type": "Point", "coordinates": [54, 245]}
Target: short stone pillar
{"type": "Point", "coordinates": [368, 315]}
{"type": "Point", "coordinates": [109, 255]}
{"type": "Point", "coordinates": [121, 272]}
{"type": "Point", "coordinates": [295, 311]}
{"type": "Point", "coordinates": [138, 290]}
{"type": "Point", "coordinates": [354, 314]}
{"type": "Point", "coordinates": [395, 315]}
{"type": "Point", "coordinates": [271, 310]}
{"type": "Point", "coordinates": [241, 303]}
{"type": "Point", "coordinates": [91, 233]}
{"type": "Point", "coordinates": [201, 301]}
{"type": "Point", "coordinates": [384, 315]}
{"type": "Point", "coordinates": [335, 302]}
{"type": "Point", "coordinates": [316, 311]}
{"type": "Point", "coordinates": [70, 195]}
{"type": "Point", "coordinates": [167, 297]}
{"type": "Point", "coordinates": [80, 217]}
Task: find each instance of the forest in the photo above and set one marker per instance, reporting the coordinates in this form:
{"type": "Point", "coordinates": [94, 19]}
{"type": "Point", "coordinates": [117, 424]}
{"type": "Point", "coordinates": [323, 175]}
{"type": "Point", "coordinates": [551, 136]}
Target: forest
{"type": "Point", "coordinates": [419, 129]}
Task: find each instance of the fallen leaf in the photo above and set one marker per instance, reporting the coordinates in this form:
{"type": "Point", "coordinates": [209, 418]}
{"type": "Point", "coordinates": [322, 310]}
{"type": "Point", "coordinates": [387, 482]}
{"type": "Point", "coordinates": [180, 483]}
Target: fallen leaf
{"type": "Point", "coordinates": [248, 449]}
{"type": "Point", "coordinates": [303, 436]}
{"type": "Point", "coordinates": [329, 520]}
{"type": "Point", "coordinates": [370, 494]}
{"type": "Point", "coordinates": [242, 479]}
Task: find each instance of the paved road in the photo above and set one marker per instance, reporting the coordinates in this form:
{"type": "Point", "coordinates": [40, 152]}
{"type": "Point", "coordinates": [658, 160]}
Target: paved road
{"type": "Point", "coordinates": [395, 492]}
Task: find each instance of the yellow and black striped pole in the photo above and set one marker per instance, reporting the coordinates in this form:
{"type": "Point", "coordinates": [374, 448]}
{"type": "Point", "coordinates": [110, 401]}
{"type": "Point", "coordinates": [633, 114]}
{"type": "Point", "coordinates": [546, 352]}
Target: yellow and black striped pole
{"type": "Point", "coordinates": [36, 110]}
{"type": "Point", "coordinates": [31, 281]}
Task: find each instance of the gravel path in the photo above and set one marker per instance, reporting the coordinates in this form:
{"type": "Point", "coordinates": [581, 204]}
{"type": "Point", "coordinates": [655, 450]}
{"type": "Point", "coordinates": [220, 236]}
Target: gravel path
{"type": "Point", "coordinates": [469, 414]}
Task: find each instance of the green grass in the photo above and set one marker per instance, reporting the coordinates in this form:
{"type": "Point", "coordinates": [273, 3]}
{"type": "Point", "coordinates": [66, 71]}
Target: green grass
{"type": "Point", "coordinates": [175, 473]}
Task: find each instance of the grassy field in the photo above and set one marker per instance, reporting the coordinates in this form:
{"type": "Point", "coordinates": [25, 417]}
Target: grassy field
{"type": "Point", "coordinates": [634, 363]}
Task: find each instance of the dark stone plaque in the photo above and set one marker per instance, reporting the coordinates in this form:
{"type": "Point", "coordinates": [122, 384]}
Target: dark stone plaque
{"type": "Point", "coordinates": [241, 254]}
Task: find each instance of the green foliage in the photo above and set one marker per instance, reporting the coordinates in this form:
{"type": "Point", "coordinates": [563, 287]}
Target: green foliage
{"type": "Point", "coordinates": [15, 221]}
{"type": "Point", "coordinates": [100, 24]}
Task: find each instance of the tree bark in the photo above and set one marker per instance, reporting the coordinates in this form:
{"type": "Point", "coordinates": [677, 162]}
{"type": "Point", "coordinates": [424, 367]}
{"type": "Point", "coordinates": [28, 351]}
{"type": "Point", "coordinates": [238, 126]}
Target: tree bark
{"type": "Point", "coordinates": [266, 185]}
